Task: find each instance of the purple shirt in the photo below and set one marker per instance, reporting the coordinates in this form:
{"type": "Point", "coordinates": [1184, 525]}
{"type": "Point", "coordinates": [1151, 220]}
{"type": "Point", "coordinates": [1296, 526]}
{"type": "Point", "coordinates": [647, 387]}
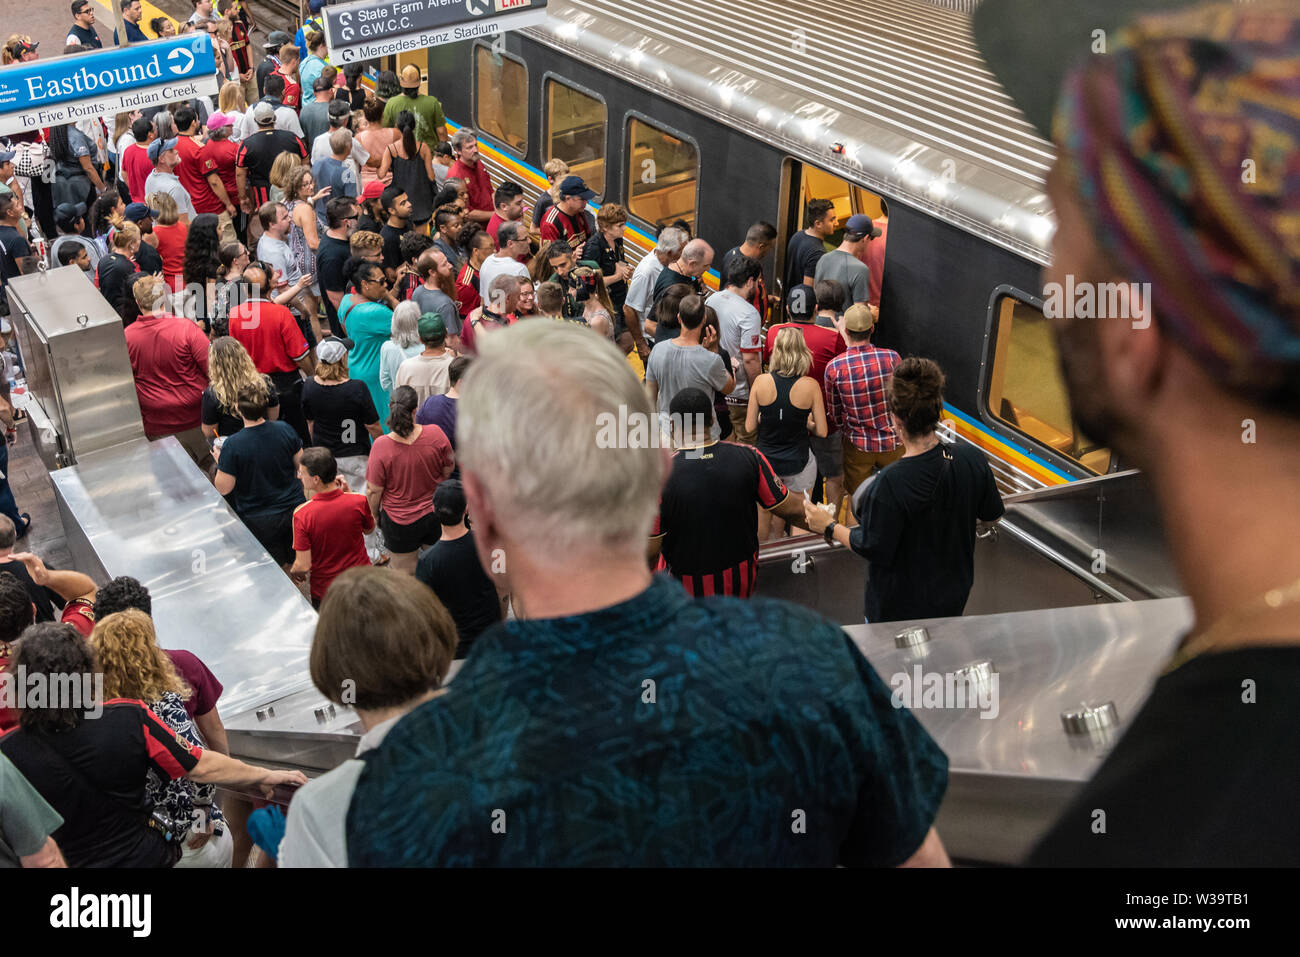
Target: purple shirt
{"type": "Point", "coordinates": [439, 410]}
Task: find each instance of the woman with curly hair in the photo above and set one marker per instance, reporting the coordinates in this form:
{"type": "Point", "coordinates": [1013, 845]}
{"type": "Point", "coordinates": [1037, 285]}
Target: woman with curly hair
{"type": "Point", "coordinates": [202, 270]}
{"type": "Point", "coordinates": [230, 368]}
{"type": "Point", "coordinates": [135, 667]}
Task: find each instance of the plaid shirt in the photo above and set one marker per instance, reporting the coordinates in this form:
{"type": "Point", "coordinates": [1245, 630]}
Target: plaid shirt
{"type": "Point", "coordinates": [855, 396]}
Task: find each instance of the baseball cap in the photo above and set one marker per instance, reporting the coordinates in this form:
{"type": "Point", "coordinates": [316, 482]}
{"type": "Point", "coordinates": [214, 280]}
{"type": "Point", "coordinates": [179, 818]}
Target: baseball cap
{"type": "Point", "coordinates": [24, 46]}
{"type": "Point", "coordinates": [330, 350]}
{"type": "Point", "coordinates": [217, 120]}
{"type": "Point", "coordinates": [449, 497]}
{"type": "Point", "coordinates": [321, 84]}
{"type": "Point", "coordinates": [7, 156]}
{"type": "Point", "coordinates": [574, 186]}
{"type": "Point", "coordinates": [410, 76]}
{"type": "Point", "coordinates": [158, 147]}
{"type": "Point", "coordinates": [276, 39]}
{"type": "Point", "coordinates": [263, 114]}
{"type": "Point", "coordinates": [431, 326]}
{"type": "Point", "coordinates": [138, 211]}
{"type": "Point", "coordinates": [801, 301]}
{"type": "Point", "coordinates": [860, 224]}
{"type": "Point", "coordinates": [374, 189]}
{"type": "Point", "coordinates": [69, 212]}
{"type": "Point", "coordinates": [858, 318]}
{"type": "Point", "coordinates": [1030, 45]}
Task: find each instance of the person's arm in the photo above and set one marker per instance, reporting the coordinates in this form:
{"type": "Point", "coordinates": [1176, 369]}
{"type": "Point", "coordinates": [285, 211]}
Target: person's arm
{"type": "Point", "coordinates": [219, 189]}
{"type": "Point", "coordinates": [818, 413]}
{"type": "Point", "coordinates": [931, 853]}
{"type": "Point", "coordinates": [751, 413]}
{"type": "Point", "coordinates": [48, 856]}
{"type": "Point", "coordinates": [335, 297]}
{"type": "Point", "coordinates": [224, 482]}
{"type": "Point", "coordinates": [301, 565]}
{"type": "Point", "coordinates": [213, 730]}
{"type": "Point", "coordinates": [376, 429]}
{"type": "Point", "coordinates": [241, 183]}
{"type": "Point", "coordinates": [209, 432]}
{"type": "Point", "coordinates": [373, 494]}
{"type": "Point", "coordinates": [428, 161]}
{"type": "Point", "coordinates": [832, 401]}
{"type": "Point", "coordinates": [653, 388]}
{"type": "Point", "coordinates": [386, 163]}
{"type": "Point", "coordinates": [305, 217]}
{"type": "Point", "coordinates": [91, 172]}
{"type": "Point", "coordinates": [216, 768]}
{"type": "Point", "coordinates": [791, 508]}
{"type": "Point", "coordinates": [752, 363]}
{"type": "Point", "coordinates": [68, 585]}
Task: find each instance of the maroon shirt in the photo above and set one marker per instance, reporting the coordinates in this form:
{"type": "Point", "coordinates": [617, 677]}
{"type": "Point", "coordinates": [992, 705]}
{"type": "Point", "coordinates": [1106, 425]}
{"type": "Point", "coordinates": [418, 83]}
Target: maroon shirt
{"type": "Point", "coordinates": [193, 178]}
{"type": "Point", "coordinates": [331, 526]}
{"type": "Point", "coordinates": [169, 358]}
{"type": "Point", "coordinates": [476, 182]}
{"type": "Point", "coordinates": [408, 474]}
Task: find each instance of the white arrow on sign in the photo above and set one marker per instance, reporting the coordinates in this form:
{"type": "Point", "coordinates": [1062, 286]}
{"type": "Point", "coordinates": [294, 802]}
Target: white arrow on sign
{"type": "Point", "coordinates": [345, 18]}
{"type": "Point", "coordinates": [475, 8]}
{"type": "Point", "coordinates": [176, 55]}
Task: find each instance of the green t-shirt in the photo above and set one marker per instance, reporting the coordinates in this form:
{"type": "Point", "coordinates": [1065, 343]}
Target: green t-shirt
{"type": "Point", "coordinates": [428, 115]}
{"type": "Point", "coordinates": [26, 819]}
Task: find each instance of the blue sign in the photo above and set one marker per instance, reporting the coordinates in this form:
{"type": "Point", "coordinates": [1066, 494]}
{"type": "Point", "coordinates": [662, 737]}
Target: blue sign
{"type": "Point", "coordinates": [48, 88]}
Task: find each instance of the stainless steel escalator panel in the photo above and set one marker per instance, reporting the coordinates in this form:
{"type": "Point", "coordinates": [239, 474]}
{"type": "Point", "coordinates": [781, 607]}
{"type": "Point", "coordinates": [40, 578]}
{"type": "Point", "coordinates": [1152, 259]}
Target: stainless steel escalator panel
{"type": "Point", "coordinates": [1012, 774]}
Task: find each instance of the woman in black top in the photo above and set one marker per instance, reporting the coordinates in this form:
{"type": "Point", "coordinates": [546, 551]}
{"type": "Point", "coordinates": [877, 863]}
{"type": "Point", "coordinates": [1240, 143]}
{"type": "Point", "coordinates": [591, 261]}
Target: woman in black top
{"type": "Point", "coordinates": [340, 413]}
{"type": "Point", "coordinates": [916, 519]}
{"type": "Point", "coordinates": [784, 405]}
{"type": "Point", "coordinates": [230, 368]}
{"type": "Point", "coordinates": [202, 268]}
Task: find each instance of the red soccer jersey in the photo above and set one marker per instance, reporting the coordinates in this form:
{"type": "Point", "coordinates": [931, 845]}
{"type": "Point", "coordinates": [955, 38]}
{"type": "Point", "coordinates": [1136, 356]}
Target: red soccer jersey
{"type": "Point", "coordinates": [467, 297]}
{"type": "Point", "coordinates": [169, 358]}
{"type": "Point", "coordinates": [331, 526]}
{"type": "Point", "coordinates": [559, 225]}
{"type": "Point", "coordinates": [218, 156]}
{"type": "Point", "coordinates": [292, 90]}
{"type": "Point", "coordinates": [476, 182]}
{"type": "Point", "coordinates": [136, 163]}
{"type": "Point", "coordinates": [270, 334]}
{"type": "Point", "coordinates": [824, 344]}
{"type": "Point", "coordinates": [190, 173]}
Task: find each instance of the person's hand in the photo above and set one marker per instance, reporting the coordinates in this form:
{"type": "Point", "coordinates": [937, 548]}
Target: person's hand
{"type": "Point", "coordinates": [230, 210]}
{"type": "Point", "coordinates": [303, 282]}
{"type": "Point", "coordinates": [321, 194]}
{"type": "Point", "coordinates": [643, 348]}
{"type": "Point", "coordinates": [710, 339]}
{"type": "Point", "coordinates": [246, 203]}
{"type": "Point", "coordinates": [246, 76]}
{"type": "Point", "coordinates": [273, 779]}
{"type": "Point", "coordinates": [816, 517]}
{"type": "Point", "coordinates": [35, 567]}
{"type": "Point", "coordinates": [299, 577]}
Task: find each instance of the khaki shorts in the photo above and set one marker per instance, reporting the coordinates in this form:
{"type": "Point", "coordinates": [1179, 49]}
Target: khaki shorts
{"type": "Point", "coordinates": [858, 465]}
{"type": "Point", "coordinates": [738, 431]}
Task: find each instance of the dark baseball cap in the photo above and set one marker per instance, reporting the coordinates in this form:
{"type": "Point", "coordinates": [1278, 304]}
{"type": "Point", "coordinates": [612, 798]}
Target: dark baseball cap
{"type": "Point", "coordinates": [1031, 45]}
{"type": "Point", "coordinates": [277, 38]}
{"type": "Point", "coordinates": [861, 225]}
{"type": "Point", "coordinates": [69, 212]}
{"type": "Point", "coordinates": [449, 499]}
{"type": "Point", "coordinates": [801, 301]}
{"type": "Point", "coordinates": [574, 186]}
{"type": "Point", "coordinates": [7, 156]}
{"type": "Point", "coordinates": [137, 212]}
{"type": "Point", "coordinates": [431, 326]}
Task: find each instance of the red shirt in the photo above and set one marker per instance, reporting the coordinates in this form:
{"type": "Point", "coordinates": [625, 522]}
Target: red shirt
{"type": "Point", "coordinates": [171, 247]}
{"type": "Point", "coordinates": [190, 173]}
{"type": "Point", "coordinates": [476, 182]}
{"type": "Point", "coordinates": [169, 358]}
{"type": "Point", "coordinates": [493, 225]}
{"type": "Point", "coordinates": [292, 90]}
{"type": "Point", "coordinates": [332, 527]}
{"type": "Point", "coordinates": [874, 257]}
{"type": "Point", "coordinates": [138, 166]}
{"type": "Point", "coordinates": [270, 334]}
{"type": "Point", "coordinates": [560, 225]}
{"type": "Point", "coordinates": [408, 474]}
{"type": "Point", "coordinates": [218, 156]}
{"type": "Point", "coordinates": [824, 344]}
{"type": "Point", "coordinates": [855, 397]}
{"type": "Point", "coordinates": [467, 297]}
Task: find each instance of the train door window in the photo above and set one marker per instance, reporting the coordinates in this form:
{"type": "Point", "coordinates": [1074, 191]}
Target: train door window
{"type": "Point", "coordinates": [663, 172]}
{"type": "Point", "coordinates": [1026, 390]}
{"type": "Point", "coordinates": [808, 183]}
{"type": "Point", "coordinates": [501, 97]}
{"type": "Point", "coordinates": [576, 124]}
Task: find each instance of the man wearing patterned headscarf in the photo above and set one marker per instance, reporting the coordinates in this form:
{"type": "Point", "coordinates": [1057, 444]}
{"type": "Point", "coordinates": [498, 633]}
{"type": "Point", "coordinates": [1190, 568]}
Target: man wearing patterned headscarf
{"type": "Point", "coordinates": [1178, 184]}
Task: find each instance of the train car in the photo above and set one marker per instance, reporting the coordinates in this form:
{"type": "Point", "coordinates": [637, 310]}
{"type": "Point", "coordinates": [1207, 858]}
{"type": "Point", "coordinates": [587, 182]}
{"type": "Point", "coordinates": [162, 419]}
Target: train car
{"type": "Point", "coordinates": [730, 113]}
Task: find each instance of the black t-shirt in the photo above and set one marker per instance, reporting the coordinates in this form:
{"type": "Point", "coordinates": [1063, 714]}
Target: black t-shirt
{"type": "Point", "coordinates": [40, 596]}
{"type": "Point", "coordinates": [14, 248]}
{"type": "Point", "coordinates": [331, 256]}
{"type": "Point", "coordinates": [102, 797]}
{"type": "Point", "coordinates": [149, 259]}
{"type": "Point", "coordinates": [114, 271]}
{"type": "Point", "coordinates": [87, 37]}
{"type": "Point", "coordinates": [668, 276]}
{"type": "Point", "coordinates": [706, 513]}
{"type": "Point", "coordinates": [801, 258]}
{"type": "Point", "coordinates": [258, 151]}
{"type": "Point", "coordinates": [392, 245]}
{"type": "Point", "coordinates": [261, 460]}
{"type": "Point", "coordinates": [453, 571]}
{"type": "Point", "coordinates": [334, 410]}
{"type": "Point", "coordinates": [368, 224]}
{"type": "Point", "coordinates": [228, 423]}
{"type": "Point", "coordinates": [599, 250]}
{"type": "Point", "coordinates": [1204, 777]}
{"type": "Point", "coordinates": [917, 532]}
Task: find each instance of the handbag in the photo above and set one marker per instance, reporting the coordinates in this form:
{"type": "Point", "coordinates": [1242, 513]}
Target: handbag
{"type": "Point", "coordinates": [34, 160]}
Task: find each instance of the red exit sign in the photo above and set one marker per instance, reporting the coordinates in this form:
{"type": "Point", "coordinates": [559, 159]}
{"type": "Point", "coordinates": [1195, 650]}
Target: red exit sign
{"type": "Point", "coordinates": [505, 5]}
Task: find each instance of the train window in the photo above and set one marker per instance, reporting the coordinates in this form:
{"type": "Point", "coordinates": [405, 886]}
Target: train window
{"type": "Point", "coordinates": [662, 174]}
{"type": "Point", "coordinates": [575, 132]}
{"type": "Point", "coordinates": [501, 97]}
{"type": "Point", "coordinates": [1026, 390]}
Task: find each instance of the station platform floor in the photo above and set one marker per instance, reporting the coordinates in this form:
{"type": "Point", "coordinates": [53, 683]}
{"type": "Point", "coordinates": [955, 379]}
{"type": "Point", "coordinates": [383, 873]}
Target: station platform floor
{"type": "Point", "coordinates": [34, 493]}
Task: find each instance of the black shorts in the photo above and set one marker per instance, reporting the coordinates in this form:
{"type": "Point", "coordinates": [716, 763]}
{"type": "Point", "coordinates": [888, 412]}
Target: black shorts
{"type": "Point", "coordinates": [275, 532]}
{"type": "Point", "coordinates": [404, 539]}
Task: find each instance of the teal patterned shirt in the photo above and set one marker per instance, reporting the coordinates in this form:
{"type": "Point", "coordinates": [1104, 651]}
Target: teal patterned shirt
{"type": "Point", "coordinates": [662, 731]}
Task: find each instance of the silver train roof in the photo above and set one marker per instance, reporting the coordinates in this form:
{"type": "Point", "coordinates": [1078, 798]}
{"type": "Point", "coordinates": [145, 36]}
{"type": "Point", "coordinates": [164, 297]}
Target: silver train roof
{"type": "Point", "coordinates": [898, 83]}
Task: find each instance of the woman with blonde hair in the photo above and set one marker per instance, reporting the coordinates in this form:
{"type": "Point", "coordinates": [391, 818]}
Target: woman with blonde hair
{"type": "Point", "coordinates": [170, 234]}
{"type": "Point", "coordinates": [19, 48]}
{"type": "Point", "coordinates": [405, 342]}
{"type": "Point", "coordinates": [230, 368]}
{"type": "Point", "coordinates": [555, 170]}
{"type": "Point", "coordinates": [134, 667]}
{"type": "Point", "coordinates": [233, 103]}
{"type": "Point", "coordinates": [281, 171]}
{"type": "Point", "coordinates": [785, 405]}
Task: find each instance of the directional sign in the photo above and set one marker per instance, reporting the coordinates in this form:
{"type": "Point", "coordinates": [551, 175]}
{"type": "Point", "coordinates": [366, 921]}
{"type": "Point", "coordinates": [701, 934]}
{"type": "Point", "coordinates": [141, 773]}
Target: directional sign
{"type": "Point", "coordinates": [368, 29]}
{"type": "Point", "coordinates": [69, 88]}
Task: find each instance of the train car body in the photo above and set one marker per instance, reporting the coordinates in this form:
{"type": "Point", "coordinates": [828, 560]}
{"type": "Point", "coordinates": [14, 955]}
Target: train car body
{"type": "Point", "coordinates": [739, 112]}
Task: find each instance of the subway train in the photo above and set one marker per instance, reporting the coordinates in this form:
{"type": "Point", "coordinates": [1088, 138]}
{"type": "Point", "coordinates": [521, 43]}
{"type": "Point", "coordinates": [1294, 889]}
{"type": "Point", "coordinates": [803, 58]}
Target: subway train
{"type": "Point", "coordinates": [725, 114]}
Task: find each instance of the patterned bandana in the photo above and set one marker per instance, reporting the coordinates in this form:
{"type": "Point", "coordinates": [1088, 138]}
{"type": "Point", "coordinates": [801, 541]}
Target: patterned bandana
{"type": "Point", "coordinates": [1184, 146]}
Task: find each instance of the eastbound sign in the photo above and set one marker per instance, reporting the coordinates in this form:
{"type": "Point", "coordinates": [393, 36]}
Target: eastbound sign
{"type": "Point", "coordinates": [69, 88]}
{"type": "Point", "coordinates": [361, 31]}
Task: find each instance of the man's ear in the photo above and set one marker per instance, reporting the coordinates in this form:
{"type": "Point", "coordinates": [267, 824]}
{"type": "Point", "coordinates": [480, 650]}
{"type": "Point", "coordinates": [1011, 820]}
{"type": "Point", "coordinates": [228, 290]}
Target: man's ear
{"type": "Point", "coordinates": [1132, 346]}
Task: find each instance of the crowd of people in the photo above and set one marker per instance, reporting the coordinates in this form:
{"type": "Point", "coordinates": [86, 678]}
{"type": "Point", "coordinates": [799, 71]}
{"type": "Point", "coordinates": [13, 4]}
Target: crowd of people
{"type": "Point", "coordinates": [381, 359]}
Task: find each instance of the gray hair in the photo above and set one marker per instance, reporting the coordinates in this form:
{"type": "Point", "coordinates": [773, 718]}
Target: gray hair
{"type": "Point", "coordinates": [537, 424]}
{"type": "Point", "coordinates": [510, 232]}
{"type": "Point", "coordinates": [164, 124]}
{"type": "Point", "coordinates": [502, 288]}
{"type": "Point", "coordinates": [461, 137]}
{"type": "Point", "coordinates": [406, 324]}
{"type": "Point", "coordinates": [671, 240]}
{"type": "Point", "coordinates": [696, 252]}
{"type": "Point", "coordinates": [340, 141]}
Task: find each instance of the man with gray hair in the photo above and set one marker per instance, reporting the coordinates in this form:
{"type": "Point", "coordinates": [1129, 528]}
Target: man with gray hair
{"type": "Point", "coordinates": [469, 169]}
{"type": "Point", "coordinates": [640, 291]}
{"type": "Point", "coordinates": [695, 259]}
{"type": "Point", "coordinates": [496, 312]}
{"type": "Point", "coordinates": [655, 713]}
{"type": "Point", "coordinates": [512, 239]}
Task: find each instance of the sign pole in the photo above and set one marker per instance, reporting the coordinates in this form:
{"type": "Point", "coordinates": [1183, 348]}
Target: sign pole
{"type": "Point", "coordinates": [120, 23]}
